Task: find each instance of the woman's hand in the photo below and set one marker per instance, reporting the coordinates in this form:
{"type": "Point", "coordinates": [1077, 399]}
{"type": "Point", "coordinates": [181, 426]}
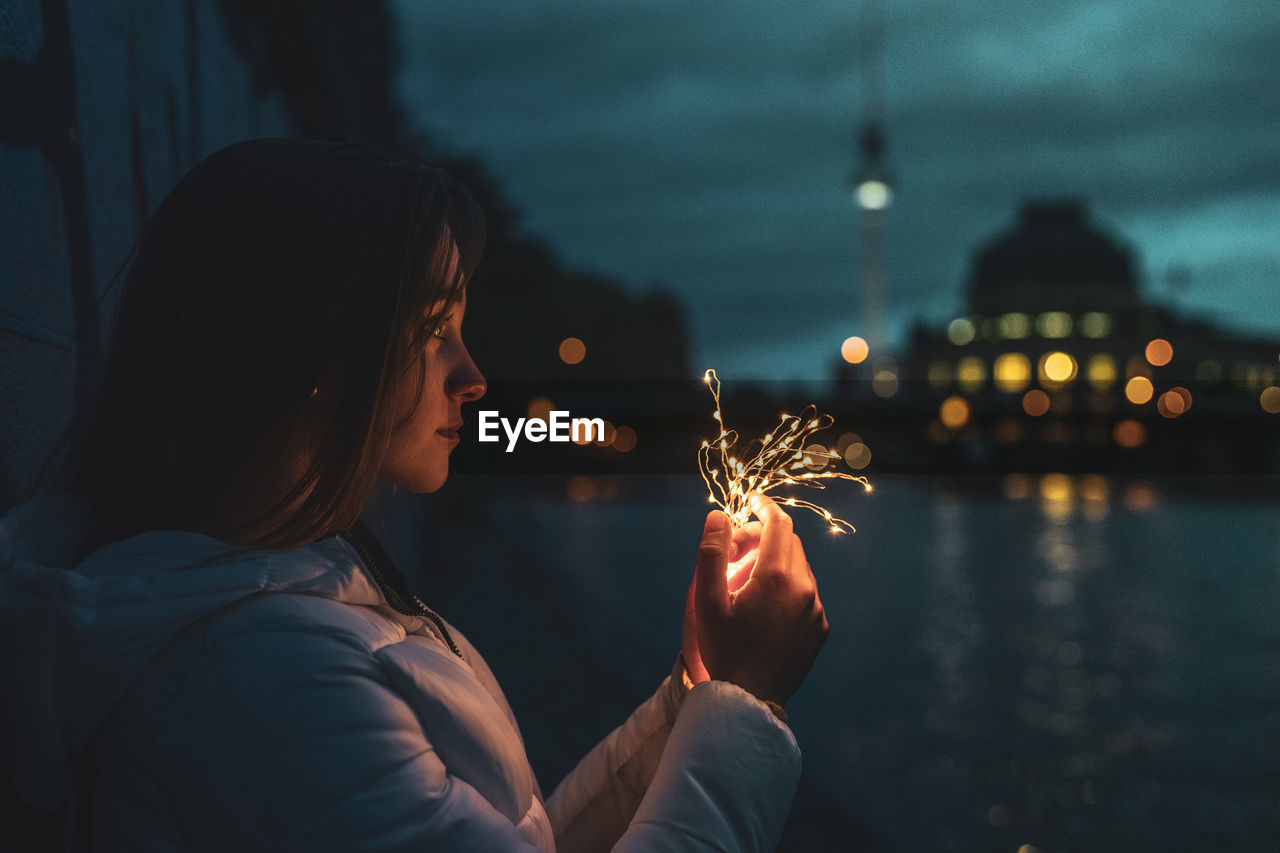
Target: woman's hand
{"type": "Point", "coordinates": [762, 625]}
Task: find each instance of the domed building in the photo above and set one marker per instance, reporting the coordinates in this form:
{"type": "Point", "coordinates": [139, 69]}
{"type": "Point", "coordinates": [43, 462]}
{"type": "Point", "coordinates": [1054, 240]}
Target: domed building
{"type": "Point", "coordinates": [1059, 364]}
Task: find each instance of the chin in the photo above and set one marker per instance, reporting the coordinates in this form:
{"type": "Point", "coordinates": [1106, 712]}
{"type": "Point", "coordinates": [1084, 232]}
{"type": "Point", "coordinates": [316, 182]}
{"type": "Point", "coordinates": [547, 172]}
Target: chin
{"type": "Point", "coordinates": [418, 482]}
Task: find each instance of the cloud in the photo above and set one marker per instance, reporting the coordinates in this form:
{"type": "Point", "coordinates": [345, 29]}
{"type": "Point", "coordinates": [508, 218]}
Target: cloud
{"type": "Point", "coordinates": [707, 146]}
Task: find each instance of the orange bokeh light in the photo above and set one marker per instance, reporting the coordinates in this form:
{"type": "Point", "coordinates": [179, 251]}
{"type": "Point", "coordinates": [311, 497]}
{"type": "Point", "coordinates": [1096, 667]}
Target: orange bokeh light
{"type": "Point", "coordinates": [1159, 352]}
{"type": "Point", "coordinates": [1129, 434]}
{"type": "Point", "coordinates": [1270, 399]}
{"type": "Point", "coordinates": [624, 440]}
{"type": "Point", "coordinates": [539, 408]}
{"type": "Point", "coordinates": [1035, 402]}
{"type": "Point", "coordinates": [1138, 390]}
{"type": "Point", "coordinates": [854, 350]}
{"type": "Point", "coordinates": [572, 350]}
{"type": "Point", "coordinates": [954, 412]}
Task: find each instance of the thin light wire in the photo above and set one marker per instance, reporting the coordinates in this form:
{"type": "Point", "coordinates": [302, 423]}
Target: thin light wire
{"type": "Point", "coordinates": [733, 484]}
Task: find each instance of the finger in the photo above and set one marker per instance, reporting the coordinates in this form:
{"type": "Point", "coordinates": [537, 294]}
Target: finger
{"type": "Point", "coordinates": [711, 592]}
{"type": "Point", "coordinates": [775, 538]}
{"type": "Point", "coordinates": [745, 540]}
{"type": "Point", "coordinates": [801, 565]}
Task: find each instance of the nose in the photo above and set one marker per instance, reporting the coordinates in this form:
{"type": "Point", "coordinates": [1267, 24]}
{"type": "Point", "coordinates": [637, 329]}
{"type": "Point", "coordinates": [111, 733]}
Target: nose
{"type": "Point", "coordinates": [466, 383]}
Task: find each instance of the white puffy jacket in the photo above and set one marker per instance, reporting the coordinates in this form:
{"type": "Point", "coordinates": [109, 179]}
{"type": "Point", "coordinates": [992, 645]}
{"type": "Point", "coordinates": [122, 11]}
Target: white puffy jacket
{"type": "Point", "coordinates": [202, 697]}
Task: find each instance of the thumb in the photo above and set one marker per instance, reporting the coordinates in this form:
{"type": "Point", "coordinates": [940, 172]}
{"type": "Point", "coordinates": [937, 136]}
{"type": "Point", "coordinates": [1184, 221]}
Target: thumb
{"type": "Point", "coordinates": [711, 584]}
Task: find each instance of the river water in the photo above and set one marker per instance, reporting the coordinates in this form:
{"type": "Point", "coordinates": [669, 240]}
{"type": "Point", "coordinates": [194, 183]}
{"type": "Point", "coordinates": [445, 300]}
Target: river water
{"type": "Point", "coordinates": [1069, 663]}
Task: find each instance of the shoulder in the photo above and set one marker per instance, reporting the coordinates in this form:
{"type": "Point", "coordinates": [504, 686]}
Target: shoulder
{"type": "Point", "coordinates": [301, 620]}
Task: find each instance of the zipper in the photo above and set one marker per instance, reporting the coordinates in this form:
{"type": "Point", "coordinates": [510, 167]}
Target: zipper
{"type": "Point", "coordinates": [370, 550]}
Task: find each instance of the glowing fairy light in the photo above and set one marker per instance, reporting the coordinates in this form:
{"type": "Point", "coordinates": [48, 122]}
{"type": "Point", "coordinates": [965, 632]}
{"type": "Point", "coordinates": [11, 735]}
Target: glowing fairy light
{"type": "Point", "coordinates": [786, 457]}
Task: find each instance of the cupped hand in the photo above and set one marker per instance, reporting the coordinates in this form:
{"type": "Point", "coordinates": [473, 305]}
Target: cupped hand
{"type": "Point", "coordinates": [753, 616]}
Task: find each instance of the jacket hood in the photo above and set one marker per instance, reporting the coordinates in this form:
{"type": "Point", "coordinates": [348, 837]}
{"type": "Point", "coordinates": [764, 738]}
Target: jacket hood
{"type": "Point", "coordinates": [78, 628]}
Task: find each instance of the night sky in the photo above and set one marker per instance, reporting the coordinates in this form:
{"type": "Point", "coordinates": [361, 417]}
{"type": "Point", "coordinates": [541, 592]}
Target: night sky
{"type": "Point", "coordinates": [706, 147]}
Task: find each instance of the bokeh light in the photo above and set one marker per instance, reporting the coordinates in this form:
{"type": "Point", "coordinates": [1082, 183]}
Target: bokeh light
{"type": "Point", "coordinates": [1014, 326]}
{"type": "Point", "coordinates": [1270, 400]}
{"type": "Point", "coordinates": [857, 455]}
{"type": "Point", "coordinates": [1056, 369]}
{"type": "Point", "coordinates": [939, 375]}
{"type": "Point", "coordinates": [1101, 372]}
{"type": "Point", "coordinates": [961, 331]}
{"type": "Point", "coordinates": [885, 383]}
{"type": "Point", "coordinates": [1159, 352]}
{"type": "Point", "coordinates": [572, 350]}
{"type": "Point", "coordinates": [1057, 495]}
{"type": "Point", "coordinates": [1129, 434]}
{"type": "Point", "coordinates": [854, 350]}
{"type": "Point", "coordinates": [1035, 402]}
{"type": "Point", "coordinates": [1094, 324]}
{"type": "Point", "coordinates": [1012, 372]}
{"type": "Point", "coordinates": [971, 373]}
{"type": "Point", "coordinates": [874, 195]}
{"type": "Point", "coordinates": [624, 440]}
{"type": "Point", "coordinates": [1017, 487]}
{"type": "Point", "coordinates": [1141, 497]}
{"type": "Point", "coordinates": [954, 412]}
{"type": "Point", "coordinates": [539, 408]}
{"type": "Point", "coordinates": [581, 489]}
{"type": "Point", "coordinates": [1054, 324]}
{"type": "Point", "coordinates": [1139, 390]}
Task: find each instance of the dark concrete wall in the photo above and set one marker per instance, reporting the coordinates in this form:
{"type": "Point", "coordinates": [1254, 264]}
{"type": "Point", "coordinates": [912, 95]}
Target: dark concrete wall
{"type": "Point", "coordinates": [104, 104]}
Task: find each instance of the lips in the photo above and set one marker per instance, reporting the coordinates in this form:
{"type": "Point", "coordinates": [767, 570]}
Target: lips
{"type": "Point", "coordinates": [451, 432]}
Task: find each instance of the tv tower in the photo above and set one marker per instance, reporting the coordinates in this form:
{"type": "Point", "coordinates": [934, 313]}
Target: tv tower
{"type": "Point", "coordinates": [871, 183]}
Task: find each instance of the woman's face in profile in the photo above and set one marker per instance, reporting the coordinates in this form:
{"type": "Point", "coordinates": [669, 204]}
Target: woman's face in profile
{"type": "Point", "coordinates": [418, 459]}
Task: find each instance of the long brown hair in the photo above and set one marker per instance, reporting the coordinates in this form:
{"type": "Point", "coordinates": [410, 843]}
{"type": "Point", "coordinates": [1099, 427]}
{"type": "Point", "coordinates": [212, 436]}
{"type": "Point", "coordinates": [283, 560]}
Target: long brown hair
{"type": "Point", "coordinates": [274, 300]}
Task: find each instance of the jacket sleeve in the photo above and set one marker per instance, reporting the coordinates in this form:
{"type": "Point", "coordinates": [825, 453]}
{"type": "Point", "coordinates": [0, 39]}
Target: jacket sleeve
{"type": "Point", "coordinates": [710, 769]}
{"type": "Point", "coordinates": [296, 741]}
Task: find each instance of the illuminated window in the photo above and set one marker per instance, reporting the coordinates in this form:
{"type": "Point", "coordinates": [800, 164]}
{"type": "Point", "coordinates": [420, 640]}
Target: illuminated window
{"type": "Point", "coordinates": [1012, 372]}
{"type": "Point", "coordinates": [1094, 324]}
{"type": "Point", "coordinates": [971, 373]}
{"type": "Point", "coordinates": [961, 331]}
{"type": "Point", "coordinates": [1054, 324]}
{"type": "Point", "coordinates": [1015, 326]}
{"type": "Point", "coordinates": [1159, 352]}
{"type": "Point", "coordinates": [1101, 371]}
{"type": "Point", "coordinates": [1139, 390]}
{"type": "Point", "coordinates": [1056, 370]}
{"type": "Point", "coordinates": [854, 350]}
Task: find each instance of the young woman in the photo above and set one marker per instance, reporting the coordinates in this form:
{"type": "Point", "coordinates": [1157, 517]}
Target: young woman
{"type": "Point", "coordinates": [205, 648]}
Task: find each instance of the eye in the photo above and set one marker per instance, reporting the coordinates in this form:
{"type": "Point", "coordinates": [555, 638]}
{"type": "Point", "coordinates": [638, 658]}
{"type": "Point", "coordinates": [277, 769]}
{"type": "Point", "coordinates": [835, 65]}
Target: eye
{"type": "Point", "coordinates": [438, 331]}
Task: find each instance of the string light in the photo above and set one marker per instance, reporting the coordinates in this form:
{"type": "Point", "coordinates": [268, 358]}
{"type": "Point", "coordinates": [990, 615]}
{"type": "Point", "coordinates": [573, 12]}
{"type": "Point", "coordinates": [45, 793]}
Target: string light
{"type": "Point", "coordinates": [783, 459]}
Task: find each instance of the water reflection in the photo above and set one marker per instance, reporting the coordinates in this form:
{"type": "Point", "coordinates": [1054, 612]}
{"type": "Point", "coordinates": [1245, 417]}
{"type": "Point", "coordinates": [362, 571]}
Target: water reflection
{"type": "Point", "coordinates": [1057, 663]}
